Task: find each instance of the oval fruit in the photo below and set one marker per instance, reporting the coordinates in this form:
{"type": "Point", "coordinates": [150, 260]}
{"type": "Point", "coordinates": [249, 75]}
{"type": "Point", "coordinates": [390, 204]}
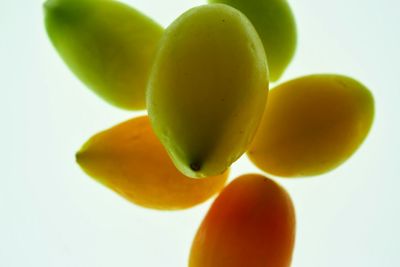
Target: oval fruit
{"type": "Point", "coordinates": [108, 45]}
{"type": "Point", "coordinates": [311, 125]}
{"type": "Point", "coordinates": [275, 23]}
{"type": "Point", "coordinates": [208, 88]}
{"type": "Point", "coordinates": [251, 223]}
{"type": "Point", "coordinates": [129, 159]}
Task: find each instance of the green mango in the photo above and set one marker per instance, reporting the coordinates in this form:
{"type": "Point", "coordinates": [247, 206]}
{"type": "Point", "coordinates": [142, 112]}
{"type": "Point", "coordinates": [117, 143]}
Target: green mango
{"type": "Point", "coordinates": [108, 45]}
{"type": "Point", "coordinates": [274, 22]}
{"type": "Point", "coordinates": [208, 89]}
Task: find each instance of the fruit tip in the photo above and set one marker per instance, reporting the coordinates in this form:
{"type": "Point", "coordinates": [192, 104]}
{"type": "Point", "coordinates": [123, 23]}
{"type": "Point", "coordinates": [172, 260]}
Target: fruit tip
{"type": "Point", "coordinates": [195, 166]}
{"type": "Point", "coordinates": [79, 156]}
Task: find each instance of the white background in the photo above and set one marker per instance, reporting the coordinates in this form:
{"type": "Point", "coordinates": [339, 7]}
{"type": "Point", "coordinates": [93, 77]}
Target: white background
{"type": "Point", "coordinates": [51, 214]}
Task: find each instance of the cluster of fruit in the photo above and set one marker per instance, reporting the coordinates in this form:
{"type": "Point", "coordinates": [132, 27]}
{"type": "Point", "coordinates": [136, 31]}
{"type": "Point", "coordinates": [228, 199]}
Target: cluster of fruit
{"type": "Point", "coordinates": [204, 81]}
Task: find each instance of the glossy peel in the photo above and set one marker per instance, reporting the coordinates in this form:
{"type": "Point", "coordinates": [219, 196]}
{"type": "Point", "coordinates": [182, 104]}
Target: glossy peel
{"type": "Point", "coordinates": [275, 23]}
{"type": "Point", "coordinates": [251, 223]}
{"type": "Point", "coordinates": [208, 88]}
{"type": "Point", "coordinates": [108, 45]}
{"type": "Point", "coordinates": [311, 125]}
{"type": "Point", "coordinates": [129, 159]}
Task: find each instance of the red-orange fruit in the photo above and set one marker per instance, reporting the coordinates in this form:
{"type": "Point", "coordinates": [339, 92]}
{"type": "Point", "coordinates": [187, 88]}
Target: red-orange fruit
{"type": "Point", "coordinates": [251, 224]}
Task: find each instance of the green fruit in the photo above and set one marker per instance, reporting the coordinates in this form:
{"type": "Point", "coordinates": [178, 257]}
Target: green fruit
{"type": "Point", "coordinates": [311, 125]}
{"type": "Point", "coordinates": [274, 22]}
{"type": "Point", "coordinates": [208, 88]}
{"type": "Point", "coordinates": [107, 44]}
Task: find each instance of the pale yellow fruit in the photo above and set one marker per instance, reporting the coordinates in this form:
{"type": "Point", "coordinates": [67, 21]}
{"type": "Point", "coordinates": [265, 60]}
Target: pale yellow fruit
{"type": "Point", "coordinates": [311, 125]}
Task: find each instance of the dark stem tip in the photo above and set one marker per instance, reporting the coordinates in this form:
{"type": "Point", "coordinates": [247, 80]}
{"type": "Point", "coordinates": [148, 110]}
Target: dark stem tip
{"type": "Point", "coordinates": [195, 166]}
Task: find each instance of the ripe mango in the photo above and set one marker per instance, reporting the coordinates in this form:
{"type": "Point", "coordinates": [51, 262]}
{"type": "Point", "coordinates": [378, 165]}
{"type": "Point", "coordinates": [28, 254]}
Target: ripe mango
{"type": "Point", "coordinates": [129, 159]}
{"type": "Point", "coordinates": [275, 23]}
{"type": "Point", "coordinates": [312, 125]}
{"type": "Point", "coordinates": [208, 88]}
{"type": "Point", "coordinates": [108, 45]}
{"type": "Point", "coordinates": [251, 223]}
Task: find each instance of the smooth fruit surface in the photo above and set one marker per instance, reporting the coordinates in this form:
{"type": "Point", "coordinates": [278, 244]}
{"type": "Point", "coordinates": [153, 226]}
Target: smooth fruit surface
{"type": "Point", "coordinates": [129, 159]}
{"type": "Point", "coordinates": [208, 88]}
{"type": "Point", "coordinates": [108, 45]}
{"type": "Point", "coordinates": [275, 23]}
{"type": "Point", "coordinates": [311, 125]}
{"type": "Point", "coordinates": [251, 223]}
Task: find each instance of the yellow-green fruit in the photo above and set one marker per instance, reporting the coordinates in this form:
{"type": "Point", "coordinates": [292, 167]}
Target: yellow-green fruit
{"type": "Point", "coordinates": [107, 44]}
{"type": "Point", "coordinates": [274, 22]}
{"type": "Point", "coordinates": [208, 89]}
{"type": "Point", "coordinates": [311, 125]}
{"type": "Point", "coordinates": [129, 159]}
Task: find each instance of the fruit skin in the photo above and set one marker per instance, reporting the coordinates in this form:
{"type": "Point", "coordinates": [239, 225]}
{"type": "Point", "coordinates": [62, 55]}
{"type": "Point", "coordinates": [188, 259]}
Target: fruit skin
{"type": "Point", "coordinates": [275, 23]}
{"type": "Point", "coordinates": [208, 88]}
{"type": "Point", "coordinates": [129, 159]}
{"type": "Point", "coordinates": [311, 125]}
{"type": "Point", "coordinates": [251, 223]}
{"type": "Point", "coordinates": [108, 45]}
